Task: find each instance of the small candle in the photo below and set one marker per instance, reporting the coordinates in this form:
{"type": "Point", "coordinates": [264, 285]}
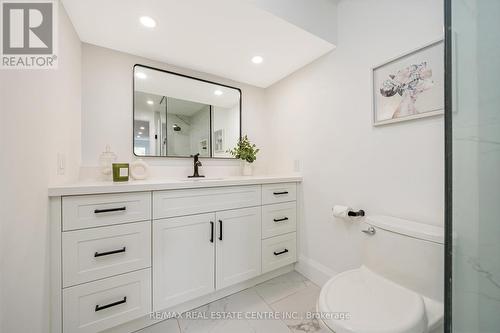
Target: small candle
{"type": "Point", "coordinates": [120, 172]}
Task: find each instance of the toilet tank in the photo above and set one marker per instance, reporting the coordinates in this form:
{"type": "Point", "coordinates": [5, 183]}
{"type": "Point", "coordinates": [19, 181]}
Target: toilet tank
{"type": "Point", "coordinates": [406, 252]}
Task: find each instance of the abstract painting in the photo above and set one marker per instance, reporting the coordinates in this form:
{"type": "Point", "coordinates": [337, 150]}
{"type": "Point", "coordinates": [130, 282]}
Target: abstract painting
{"type": "Point", "coordinates": [410, 86]}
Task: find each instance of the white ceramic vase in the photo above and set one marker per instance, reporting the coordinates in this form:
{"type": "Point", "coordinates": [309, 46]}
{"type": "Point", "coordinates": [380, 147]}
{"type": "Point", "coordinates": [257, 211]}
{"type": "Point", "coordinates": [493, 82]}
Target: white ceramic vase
{"type": "Point", "coordinates": [139, 170]}
{"type": "Point", "coordinates": [246, 168]}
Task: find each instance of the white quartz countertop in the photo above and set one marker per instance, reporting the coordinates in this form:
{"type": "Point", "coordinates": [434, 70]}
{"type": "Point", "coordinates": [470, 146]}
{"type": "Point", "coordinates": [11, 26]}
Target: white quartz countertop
{"type": "Point", "coordinates": [99, 187]}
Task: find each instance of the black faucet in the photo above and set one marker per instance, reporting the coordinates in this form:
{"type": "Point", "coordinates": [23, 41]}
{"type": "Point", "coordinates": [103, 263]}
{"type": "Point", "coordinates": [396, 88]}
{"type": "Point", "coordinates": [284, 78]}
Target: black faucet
{"type": "Point", "coordinates": [196, 164]}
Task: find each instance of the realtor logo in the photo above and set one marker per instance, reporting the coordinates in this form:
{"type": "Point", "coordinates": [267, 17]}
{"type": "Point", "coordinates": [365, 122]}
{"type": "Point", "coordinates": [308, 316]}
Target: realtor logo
{"type": "Point", "coordinates": [28, 34]}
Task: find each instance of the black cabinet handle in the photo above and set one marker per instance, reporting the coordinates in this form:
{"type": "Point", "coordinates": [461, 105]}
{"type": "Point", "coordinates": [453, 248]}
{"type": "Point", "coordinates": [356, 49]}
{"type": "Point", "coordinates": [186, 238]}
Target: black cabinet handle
{"type": "Point", "coordinates": [102, 307]}
{"type": "Point", "coordinates": [281, 219]}
{"type": "Point", "coordinates": [280, 193]}
{"type": "Point", "coordinates": [279, 253]}
{"type": "Point", "coordinates": [109, 210]}
{"type": "Point", "coordinates": [220, 229]}
{"type": "Point", "coordinates": [211, 232]}
{"type": "Point", "coordinates": [100, 254]}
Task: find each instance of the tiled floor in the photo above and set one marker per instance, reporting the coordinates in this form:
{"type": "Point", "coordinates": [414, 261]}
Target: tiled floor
{"type": "Point", "coordinates": [289, 293]}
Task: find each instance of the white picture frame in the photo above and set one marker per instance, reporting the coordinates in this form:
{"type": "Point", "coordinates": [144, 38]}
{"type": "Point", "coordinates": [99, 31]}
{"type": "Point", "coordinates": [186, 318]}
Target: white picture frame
{"type": "Point", "coordinates": [418, 100]}
{"type": "Point", "coordinates": [203, 146]}
{"type": "Point", "coordinates": [219, 141]}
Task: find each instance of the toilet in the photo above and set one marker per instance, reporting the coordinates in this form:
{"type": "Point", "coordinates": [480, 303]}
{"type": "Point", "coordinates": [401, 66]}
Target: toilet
{"type": "Point", "coordinates": [398, 288]}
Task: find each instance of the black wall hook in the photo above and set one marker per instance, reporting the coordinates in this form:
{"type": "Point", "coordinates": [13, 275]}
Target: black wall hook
{"type": "Point", "coordinates": [359, 213]}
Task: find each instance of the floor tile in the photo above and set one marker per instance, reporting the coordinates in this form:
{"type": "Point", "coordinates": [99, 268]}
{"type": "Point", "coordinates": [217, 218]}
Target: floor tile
{"type": "Point", "coordinates": [166, 326]}
{"type": "Point", "coordinates": [281, 287]}
{"type": "Point", "coordinates": [303, 305]}
{"type": "Point", "coordinates": [243, 304]}
{"type": "Point", "coordinates": [285, 294]}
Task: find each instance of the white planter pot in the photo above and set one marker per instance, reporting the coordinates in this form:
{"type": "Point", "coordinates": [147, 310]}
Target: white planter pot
{"type": "Point", "coordinates": [246, 168]}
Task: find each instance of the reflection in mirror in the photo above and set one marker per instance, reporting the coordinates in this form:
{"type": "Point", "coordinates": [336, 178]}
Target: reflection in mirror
{"type": "Point", "coordinates": [178, 116]}
{"type": "Point", "coordinates": [226, 129]}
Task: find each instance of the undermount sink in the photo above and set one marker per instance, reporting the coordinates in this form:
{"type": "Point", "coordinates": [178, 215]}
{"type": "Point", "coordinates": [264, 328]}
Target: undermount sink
{"type": "Point", "coordinates": [200, 179]}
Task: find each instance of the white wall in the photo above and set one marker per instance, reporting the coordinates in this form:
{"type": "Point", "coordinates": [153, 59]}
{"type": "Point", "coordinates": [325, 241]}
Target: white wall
{"type": "Point", "coordinates": [40, 116]}
{"type": "Point", "coordinates": [321, 116]}
{"type": "Point", "coordinates": [316, 16]}
{"type": "Point", "coordinates": [107, 114]}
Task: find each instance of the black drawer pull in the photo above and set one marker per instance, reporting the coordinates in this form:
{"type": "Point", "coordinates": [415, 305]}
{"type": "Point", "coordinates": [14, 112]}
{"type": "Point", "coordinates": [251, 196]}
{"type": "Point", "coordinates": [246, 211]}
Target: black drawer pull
{"type": "Point", "coordinates": [211, 232]}
{"type": "Point", "coordinates": [100, 254]}
{"type": "Point", "coordinates": [279, 253]}
{"type": "Point", "coordinates": [280, 193]}
{"type": "Point", "coordinates": [109, 210]}
{"type": "Point", "coordinates": [281, 219]}
{"type": "Point", "coordinates": [102, 307]}
{"type": "Point", "coordinates": [220, 229]}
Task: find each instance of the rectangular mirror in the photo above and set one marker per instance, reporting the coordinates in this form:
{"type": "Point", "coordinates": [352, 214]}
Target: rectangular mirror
{"type": "Point", "coordinates": [179, 116]}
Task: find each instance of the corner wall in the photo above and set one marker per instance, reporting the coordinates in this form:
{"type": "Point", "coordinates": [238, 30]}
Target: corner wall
{"type": "Point", "coordinates": [321, 118]}
{"type": "Point", "coordinates": [40, 117]}
{"type": "Point", "coordinates": [107, 115]}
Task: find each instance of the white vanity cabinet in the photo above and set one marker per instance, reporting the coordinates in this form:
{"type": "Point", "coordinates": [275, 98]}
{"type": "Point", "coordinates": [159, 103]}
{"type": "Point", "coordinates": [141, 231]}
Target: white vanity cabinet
{"type": "Point", "coordinates": [238, 246]}
{"type": "Point", "coordinates": [197, 254]}
{"type": "Point", "coordinates": [119, 256]}
{"type": "Point", "coordinates": [279, 225]}
{"type": "Point", "coordinates": [183, 259]}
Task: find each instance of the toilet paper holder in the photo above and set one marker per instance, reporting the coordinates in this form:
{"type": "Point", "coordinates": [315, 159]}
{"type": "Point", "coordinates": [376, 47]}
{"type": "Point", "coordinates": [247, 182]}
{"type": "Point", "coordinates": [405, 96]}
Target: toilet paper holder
{"type": "Point", "coordinates": [359, 213]}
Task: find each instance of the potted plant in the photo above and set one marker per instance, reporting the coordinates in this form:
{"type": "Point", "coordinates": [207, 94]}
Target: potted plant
{"type": "Point", "coordinates": [247, 152]}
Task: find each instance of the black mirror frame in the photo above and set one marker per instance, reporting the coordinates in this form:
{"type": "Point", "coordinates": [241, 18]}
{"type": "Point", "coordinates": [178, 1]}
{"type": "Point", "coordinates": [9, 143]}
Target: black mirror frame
{"type": "Point", "coordinates": [188, 77]}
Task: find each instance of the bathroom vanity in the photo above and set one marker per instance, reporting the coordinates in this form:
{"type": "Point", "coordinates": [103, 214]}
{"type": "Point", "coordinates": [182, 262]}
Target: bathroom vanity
{"type": "Point", "coordinates": [123, 251]}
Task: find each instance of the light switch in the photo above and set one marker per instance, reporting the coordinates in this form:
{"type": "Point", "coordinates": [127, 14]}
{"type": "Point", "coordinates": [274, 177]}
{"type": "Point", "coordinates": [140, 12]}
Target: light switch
{"type": "Point", "coordinates": [61, 163]}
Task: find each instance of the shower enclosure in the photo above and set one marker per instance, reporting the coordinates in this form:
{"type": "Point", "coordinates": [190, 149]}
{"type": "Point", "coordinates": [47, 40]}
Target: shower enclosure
{"type": "Point", "coordinates": [472, 166]}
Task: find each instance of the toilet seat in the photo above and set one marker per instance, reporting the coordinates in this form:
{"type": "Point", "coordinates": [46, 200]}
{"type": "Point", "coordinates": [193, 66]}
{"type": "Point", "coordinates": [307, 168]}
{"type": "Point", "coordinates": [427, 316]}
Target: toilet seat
{"type": "Point", "coordinates": [373, 304]}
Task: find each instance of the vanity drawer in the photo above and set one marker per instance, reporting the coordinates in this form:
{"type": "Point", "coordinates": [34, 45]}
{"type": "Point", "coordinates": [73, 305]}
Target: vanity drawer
{"type": "Point", "coordinates": [204, 200]}
{"type": "Point", "coordinates": [88, 211]}
{"type": "Point", "coordinates": [279, 251]}
{"type": "Point", "coordinates": [97, 253]}
{"type": "Point", "coordinates": [279, 219]}
{"type": "Point", "coordinates": [276, 193]}
{"type": "Point", "coordinates": [96, 306]}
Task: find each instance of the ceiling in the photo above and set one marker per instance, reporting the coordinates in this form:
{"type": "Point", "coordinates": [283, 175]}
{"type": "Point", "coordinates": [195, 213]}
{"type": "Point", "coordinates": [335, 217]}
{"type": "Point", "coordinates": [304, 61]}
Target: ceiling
{"type": "Point", "coordinates": [218, 36]}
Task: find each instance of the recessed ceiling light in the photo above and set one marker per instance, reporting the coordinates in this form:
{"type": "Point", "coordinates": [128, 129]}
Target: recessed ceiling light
{"type": "Point", "coordinates": [141, 75]}
{"type": "Point", "coordinates": [140, 133]}
{"type": "Point", "coordinates": [147, 21]}
{"type": "Point", "coordinates": [257, 60]}
{"type": "Point", "coordinates": [138, 137]}
{"type": "Point", "coordinates": [218, 92]}
{"type": "Point", "coordinates": [150, 102]}
{"type": "Point", "coordinates": [142, 128]}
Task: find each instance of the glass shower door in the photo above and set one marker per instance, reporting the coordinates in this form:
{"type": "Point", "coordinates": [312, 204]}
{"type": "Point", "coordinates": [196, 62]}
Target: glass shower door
{"type": "Point", "coordinates": [473, 165]}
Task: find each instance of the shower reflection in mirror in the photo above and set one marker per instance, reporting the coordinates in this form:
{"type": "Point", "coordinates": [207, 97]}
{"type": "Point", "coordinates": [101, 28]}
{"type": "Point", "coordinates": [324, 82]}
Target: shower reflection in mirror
{"type": "Point", "coordinates": [179, 116]}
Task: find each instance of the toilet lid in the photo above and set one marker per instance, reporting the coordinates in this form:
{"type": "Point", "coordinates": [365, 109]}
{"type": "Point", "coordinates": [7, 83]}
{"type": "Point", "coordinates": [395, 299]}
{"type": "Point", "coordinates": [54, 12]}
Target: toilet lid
{"type": "Point", "coordinates": [361, 301]}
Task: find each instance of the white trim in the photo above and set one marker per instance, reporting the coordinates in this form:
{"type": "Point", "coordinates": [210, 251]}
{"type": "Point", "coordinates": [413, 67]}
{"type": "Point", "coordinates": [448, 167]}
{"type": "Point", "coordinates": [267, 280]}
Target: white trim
{"type": "Point", "coordinates": [415, 116]}
{"type": "Point", "coordinates": [314, 271]}
{"type": "Point", "coordinates": [397, 120]}
{"type": "Point", "coordinates": [435, 41]}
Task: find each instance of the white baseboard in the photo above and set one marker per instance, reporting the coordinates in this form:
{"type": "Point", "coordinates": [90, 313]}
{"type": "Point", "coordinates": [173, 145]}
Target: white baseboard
{"type": "Point", "coordinates": [314, 271]}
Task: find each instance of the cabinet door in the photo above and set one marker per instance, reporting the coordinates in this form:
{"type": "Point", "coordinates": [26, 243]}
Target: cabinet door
{"type": "Point", "coordinates": [183, 259]}
{"type": "Point", "coordinates": [238, 252]}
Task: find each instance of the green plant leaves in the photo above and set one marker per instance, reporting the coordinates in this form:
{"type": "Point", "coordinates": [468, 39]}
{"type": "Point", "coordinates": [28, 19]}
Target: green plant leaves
{"type": "Point", "coordinates": [245, 150]}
